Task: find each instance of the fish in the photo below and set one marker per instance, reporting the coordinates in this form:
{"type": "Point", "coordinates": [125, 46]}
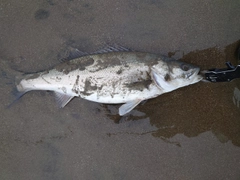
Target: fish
{"type": "Point", "coordinates": [115, 77]}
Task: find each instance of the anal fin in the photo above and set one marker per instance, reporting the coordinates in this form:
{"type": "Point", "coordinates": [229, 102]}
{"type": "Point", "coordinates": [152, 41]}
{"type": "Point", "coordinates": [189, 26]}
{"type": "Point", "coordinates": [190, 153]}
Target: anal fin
{"type": "Point", "coordinates": [128, 106]}
{"type": "Point", "coordinates": [62, 99]}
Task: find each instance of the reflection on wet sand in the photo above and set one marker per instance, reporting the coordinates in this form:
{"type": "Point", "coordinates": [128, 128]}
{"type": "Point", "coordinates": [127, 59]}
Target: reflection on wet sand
{"type": "Point", "coordinates": [195, 109]}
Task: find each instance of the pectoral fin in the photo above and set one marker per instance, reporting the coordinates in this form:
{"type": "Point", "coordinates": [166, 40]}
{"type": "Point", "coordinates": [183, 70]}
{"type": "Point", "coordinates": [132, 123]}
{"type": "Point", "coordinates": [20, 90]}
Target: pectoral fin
{"type": "Point", "coordinates": [128, 106]}
{"type": "Point", "coordinates": [161, 81]}
{"type": "Point", "coordinates": [62, 99]}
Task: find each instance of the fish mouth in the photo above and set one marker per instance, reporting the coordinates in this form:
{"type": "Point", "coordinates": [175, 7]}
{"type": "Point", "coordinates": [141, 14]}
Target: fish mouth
{"type": "Point", "coordinates": [199, 74]}
{"type": "Point", "coordinates": [194, 75]}
{"type": "Point", "coordinates": [194, 72]}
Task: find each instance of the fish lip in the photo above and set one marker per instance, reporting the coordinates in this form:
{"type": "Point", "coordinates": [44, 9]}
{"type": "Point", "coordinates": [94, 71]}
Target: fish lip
{"type": "Point", "coordinates": [195, 72]}
{"type": "Point", "coordinates": [199, 74]}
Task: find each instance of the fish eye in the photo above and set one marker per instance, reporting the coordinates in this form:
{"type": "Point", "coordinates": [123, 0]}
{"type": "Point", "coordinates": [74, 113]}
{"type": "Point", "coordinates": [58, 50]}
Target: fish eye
{"type": "Point", "coordinates": [185, 67]}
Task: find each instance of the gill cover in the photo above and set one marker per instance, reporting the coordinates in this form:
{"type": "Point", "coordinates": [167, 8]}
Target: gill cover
{"type": "Point", "coordinates": [173, 74]}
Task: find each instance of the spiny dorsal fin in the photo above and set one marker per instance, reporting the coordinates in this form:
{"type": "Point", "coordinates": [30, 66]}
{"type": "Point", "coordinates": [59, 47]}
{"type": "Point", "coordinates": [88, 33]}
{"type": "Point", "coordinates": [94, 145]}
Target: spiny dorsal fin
{"type": "Point", "coordinates": [112, 48]}
{"type": "Point", "coordinates": [73, 53]}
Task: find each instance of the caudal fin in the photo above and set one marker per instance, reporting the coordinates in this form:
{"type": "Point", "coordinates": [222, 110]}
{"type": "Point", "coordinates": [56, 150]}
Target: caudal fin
{"type": "Point", "coordinates": [18, 96]}
{"type": "Point", "coordinates": [9, 77]}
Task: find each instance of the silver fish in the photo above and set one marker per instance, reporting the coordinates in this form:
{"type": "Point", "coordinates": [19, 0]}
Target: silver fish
{"type": "Point", "coordinates": [113, 78]}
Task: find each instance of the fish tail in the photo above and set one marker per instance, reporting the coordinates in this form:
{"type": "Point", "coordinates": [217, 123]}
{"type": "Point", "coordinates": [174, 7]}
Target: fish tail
{"type": "Point", "coordinates": [17, 90]}
{"type": "Point", "coordinates": [11, 77]}
{"type": "Point", "coordinates": [18, 96]}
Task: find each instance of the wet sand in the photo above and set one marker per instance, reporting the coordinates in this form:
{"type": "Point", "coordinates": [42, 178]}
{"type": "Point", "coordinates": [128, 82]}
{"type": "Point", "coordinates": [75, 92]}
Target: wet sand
{"type": "Point", "coordinates": [191, 133]}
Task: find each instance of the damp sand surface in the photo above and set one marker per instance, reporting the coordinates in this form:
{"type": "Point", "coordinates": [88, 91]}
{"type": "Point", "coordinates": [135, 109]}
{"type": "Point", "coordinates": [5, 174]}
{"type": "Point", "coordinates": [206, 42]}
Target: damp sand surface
{"type": "Point", "coordinates": [191, 133]}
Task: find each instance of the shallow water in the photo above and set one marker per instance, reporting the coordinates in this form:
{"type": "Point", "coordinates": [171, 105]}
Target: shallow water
{"type": "Point", "coordinates": [191, 133]}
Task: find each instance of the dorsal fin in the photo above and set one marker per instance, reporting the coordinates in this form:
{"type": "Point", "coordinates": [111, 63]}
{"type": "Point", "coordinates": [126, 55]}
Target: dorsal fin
{"type": "Point", "coordinates": [112, 48]}
{"type": "Point", "coordinates": [73, 53]}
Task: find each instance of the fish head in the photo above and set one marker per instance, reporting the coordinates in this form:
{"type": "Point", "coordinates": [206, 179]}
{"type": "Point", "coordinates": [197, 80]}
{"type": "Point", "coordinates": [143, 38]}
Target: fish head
{"type": "Point", "coordinates": [172, 74]}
